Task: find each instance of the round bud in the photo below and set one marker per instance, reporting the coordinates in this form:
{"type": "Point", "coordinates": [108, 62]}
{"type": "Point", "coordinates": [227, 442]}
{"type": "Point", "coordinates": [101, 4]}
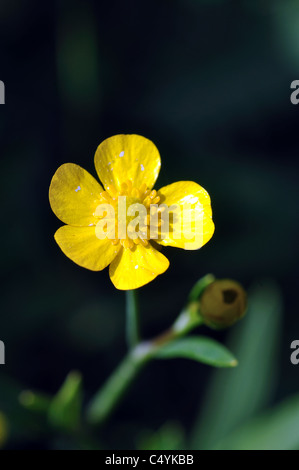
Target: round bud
{"type": "Point", "coordinates": [223, 303]}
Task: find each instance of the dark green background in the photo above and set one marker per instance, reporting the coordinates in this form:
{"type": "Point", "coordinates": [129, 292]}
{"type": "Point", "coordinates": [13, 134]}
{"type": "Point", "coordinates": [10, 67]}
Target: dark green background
{"type": "Point", "coordinates": [209, 83]}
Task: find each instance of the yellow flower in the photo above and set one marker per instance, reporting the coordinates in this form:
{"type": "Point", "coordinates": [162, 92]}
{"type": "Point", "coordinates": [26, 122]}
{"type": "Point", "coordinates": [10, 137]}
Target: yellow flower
{"type": "Point", "coordinates": [128, 166]}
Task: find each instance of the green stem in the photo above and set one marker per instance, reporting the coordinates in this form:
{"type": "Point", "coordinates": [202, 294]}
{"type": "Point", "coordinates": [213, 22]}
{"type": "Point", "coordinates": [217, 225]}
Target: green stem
{"type": "Point", "coordinates": [132, 323]}
{"type": "Point", "coordinates": [110, 394]}
{"type": "Point", "coordinates": [108, 397]}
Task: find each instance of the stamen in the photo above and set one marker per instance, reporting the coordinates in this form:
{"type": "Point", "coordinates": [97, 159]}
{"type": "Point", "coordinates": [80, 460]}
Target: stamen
{"type": "Point", "coordinates": [112, 190]}
{"type": "Point", "coordinates": [153, 194]}
{"type": "Point", "coordinates": [149, 198]}
{"type": "Point", "coordinates": [147, 201]}
{"type": "Point", "coordinates": [143, 188]}
{"type": "Point", "coordinates": [135, 193]}
{"type": "Point", "coordinates": [104, 195]}
{"type": "Point", "coordinates": [129, 185]}
{"type": "Point", "coordinates": [123, 189]}
{"type": "Point", "coordinates": [127, 243]}
{"type": "Point", "coordinates": [147, 192]}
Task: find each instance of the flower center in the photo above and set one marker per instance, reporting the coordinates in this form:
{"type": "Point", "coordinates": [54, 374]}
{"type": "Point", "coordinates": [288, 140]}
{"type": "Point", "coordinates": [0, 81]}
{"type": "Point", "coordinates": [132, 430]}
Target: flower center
{"type": "Point", "coordinates": [135, 216]}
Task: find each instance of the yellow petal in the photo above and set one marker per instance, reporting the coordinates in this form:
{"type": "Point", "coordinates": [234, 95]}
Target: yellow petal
{"type": "Point", "coordinates": [196, 227]}
{"type": "Point", "coordinates": [74, 195]}
{"type": "Point", "coordinates": [134, 268]}
{"type": "Point", "coordinates": [124, 157]}
{"type": "Point", "coordinates": [81, 245]}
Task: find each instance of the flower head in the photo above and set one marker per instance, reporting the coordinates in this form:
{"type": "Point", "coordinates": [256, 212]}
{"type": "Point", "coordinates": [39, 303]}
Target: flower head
{"type": "Point", "coordinates": [102, 228]}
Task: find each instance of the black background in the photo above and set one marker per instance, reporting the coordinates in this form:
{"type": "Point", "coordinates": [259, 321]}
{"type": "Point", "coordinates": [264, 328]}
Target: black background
{"type": "Point", "coordinates": [209, 83]}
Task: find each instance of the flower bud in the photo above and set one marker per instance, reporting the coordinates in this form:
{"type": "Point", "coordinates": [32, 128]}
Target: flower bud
{"type": "Point", "coordinates": [223, 303]}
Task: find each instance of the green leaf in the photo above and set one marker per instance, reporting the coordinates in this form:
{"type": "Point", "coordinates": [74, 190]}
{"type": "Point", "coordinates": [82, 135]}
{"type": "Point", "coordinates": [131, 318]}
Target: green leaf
{"type": "Point", "coordinates": [247, 389]}
{"type": "Point", "coordinates": [34, 401]}
{"type": "Point", "coordinates": [22, 422]}
{"type": "Point", "coordinates": [200, 286]}
{"type": "Point", "coordinates": [199, 348]}
{"type": "Point", "coordinates": [65, 408]}
{"type": "Point", "coordinates": [276, 429]}
{"type": "Point", "coordinates": [170, 436]}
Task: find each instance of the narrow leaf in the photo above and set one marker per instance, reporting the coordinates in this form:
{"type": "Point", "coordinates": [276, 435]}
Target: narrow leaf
{"type": "Point", "coordinates": [200, 286]}
{"type": "Point", "coordinates": [65, 408]}
{"type": "Point", "coordinates": [276, 429]}
{"type": "Point", "coordinates": [201, 349]}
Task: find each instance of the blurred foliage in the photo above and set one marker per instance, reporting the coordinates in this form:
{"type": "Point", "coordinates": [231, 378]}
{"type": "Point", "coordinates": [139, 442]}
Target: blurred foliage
{"type": "Point", "coordinates": [170, 436]}
{"type": "Point", "coordinates": [3, 430]}
{"type": "Point", "coordinates": [208, 82]}
{"type": "Point", "coordinates": [233, 398]}
{"type": "Point", "coordinates": [65, 408]}
{"type": "Point", "coordinates": [276, 429]}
